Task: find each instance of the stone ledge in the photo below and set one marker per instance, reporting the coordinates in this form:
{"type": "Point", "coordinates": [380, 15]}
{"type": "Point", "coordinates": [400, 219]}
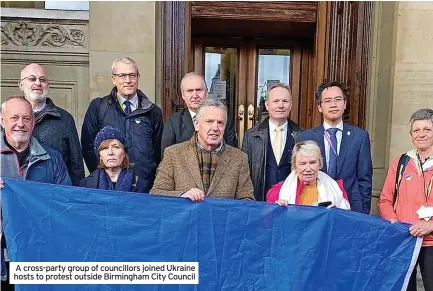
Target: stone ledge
{"type": "Point", "coordinates": [44, 14]}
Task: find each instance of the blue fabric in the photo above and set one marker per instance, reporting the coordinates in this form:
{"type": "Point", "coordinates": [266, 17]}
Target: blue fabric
{"type": "Point", "coordinates": [332, 170]}
{"type": "Point", "coordinates": [129, 182]}
{"type": "Point", "coordinates": [124, 182]}
{"type": "Point", "coordinates": [354, 165]}
{"type": "Point", "coordinates": [240, 245]}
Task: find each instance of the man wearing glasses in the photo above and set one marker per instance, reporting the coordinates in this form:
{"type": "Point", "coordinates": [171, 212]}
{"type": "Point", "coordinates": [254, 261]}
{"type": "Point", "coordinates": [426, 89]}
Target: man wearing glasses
{"type": "Point", "coordinates": [54, 126]}
{"type": "Point", "coordinates": [129, 110]}
{"type": "Point", "coordinates": [345, 148]}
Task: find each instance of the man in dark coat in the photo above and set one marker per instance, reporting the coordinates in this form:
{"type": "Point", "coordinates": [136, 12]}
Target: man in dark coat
{"type": "Point", "coordinates": [129, 110]}
{"type": "Point", "coordinates": [179, 126]}
{"type": "Point", "coordinates": [54, 126]}
{"type": "Point", "coordinates": [269, 144]}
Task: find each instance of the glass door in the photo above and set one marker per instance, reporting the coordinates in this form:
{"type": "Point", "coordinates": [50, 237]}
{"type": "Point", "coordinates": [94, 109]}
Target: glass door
{"type": "Point", "coordinates": [240, 73]}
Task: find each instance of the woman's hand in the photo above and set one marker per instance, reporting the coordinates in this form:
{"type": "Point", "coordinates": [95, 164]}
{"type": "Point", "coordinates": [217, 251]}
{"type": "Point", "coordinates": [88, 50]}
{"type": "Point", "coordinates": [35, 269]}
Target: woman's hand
{"type": "Point", "coordinates": [282, 202]}
{"type": "Point", "coordinates": [421, 228]}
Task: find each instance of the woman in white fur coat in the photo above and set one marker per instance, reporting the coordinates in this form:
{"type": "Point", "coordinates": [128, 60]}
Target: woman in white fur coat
{"type": "Point", "coordinates": [306, 184]}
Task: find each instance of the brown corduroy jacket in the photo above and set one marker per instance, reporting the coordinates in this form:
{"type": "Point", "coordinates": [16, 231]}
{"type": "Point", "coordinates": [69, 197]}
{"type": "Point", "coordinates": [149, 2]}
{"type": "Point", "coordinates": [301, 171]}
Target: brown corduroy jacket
{"type": "Point", "coordinates": [179, 172]}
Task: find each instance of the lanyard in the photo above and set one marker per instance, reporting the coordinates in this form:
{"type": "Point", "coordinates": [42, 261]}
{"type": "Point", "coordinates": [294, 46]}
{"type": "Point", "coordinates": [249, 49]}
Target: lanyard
{"type": "Point", "coordinates": [331, 146]}
{"type": "Point", "coordinates": [427, 190]}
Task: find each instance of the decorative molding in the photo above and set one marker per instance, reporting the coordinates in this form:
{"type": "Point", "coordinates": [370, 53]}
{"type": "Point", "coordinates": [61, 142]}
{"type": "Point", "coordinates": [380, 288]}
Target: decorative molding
{"type": "Point", "coordinates": [19, 13]}
{"type": "Point", "coordinates": [30, 34]}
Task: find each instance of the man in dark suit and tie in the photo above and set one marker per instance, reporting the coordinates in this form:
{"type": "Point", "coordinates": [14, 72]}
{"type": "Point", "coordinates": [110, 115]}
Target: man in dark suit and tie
{"type": "Point", "coordinates": [179, 126]}
{"type": "Point", "coordinates": [345, 148]}
{"type": "Point", "coordinates": [269, 144]}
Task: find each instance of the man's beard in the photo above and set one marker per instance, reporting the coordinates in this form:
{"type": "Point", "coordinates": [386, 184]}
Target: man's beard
{"type": "Point", "coordinates": [34, 97]}
{"type": "Point", "coordinates": [19, 139]}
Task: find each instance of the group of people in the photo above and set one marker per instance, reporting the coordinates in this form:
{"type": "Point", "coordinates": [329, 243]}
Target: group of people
{"type": "Point", "coordinates": [126, 147]}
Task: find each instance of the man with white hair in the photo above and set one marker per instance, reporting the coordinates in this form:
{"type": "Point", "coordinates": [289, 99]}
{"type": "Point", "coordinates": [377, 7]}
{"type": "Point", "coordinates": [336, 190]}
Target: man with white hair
{"type": "Point", "coordinates": [54, 126]}
{"type": "Point", "coordinates": [180, 125]}
{"type": "Point", "coordinates": [205, 166]}
{"type": "Point", "coordinates": [129, 110]}
{"type": "Point", "coordinates": [23, 157]}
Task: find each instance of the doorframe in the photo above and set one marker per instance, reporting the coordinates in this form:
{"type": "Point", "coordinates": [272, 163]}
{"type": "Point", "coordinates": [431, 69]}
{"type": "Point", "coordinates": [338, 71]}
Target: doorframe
{"type": "Point", "coordinates": [334, 21]}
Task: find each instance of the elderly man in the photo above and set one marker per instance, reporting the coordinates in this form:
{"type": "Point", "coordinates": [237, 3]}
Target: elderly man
{"type": "Point", "coordinates": [406, 194]}
{"type": "Point", "coordinates": [54, 126]}
{"type": "Point", "coordinates": [205, 166]}
{"type": "Point", "coordinates": [180, 126]}
{"type": "Point", "coordinates": [345, 148]}
{"type": "Point", "coordinates": [269, 144]}
{"type": "Point", "coordinates": [129, 110]}
{"type": "Point", "coordinates": [22, 156]}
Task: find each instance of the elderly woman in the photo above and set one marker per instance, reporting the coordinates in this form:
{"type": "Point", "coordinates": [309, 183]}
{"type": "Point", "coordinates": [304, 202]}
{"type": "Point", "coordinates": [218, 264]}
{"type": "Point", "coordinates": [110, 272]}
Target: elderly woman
{"type": "Point", "coordinates": [306, 184]}
{"type": "Point", "coordinates": [114, 172]}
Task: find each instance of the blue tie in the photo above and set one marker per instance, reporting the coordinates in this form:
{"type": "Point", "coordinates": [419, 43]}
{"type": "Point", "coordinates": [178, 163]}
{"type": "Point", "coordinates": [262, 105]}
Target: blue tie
{"type": "Point", "coordinates": [128, 109]}
{"type": "Point", "coordinates": [332, 169]}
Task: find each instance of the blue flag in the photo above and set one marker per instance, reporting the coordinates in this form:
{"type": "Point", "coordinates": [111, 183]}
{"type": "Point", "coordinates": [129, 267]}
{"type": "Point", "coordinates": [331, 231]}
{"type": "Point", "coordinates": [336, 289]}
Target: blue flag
{"type": "Point", "coordinates": [239, 245]}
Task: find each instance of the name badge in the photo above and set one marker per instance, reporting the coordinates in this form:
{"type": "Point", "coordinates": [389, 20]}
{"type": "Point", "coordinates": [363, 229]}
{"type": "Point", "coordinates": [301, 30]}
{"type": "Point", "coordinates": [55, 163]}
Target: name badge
{"type": "Point", "coordinates": [425, 212]}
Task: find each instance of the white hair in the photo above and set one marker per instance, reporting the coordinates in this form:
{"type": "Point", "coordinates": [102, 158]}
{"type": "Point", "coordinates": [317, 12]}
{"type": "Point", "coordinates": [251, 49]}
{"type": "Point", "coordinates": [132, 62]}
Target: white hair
{"type": "Point", "coordinates": [211, 102]}
{"type": "Point", "coordinates": [307, 148]}
{"type": "Point", "coordinates": [125, 60]}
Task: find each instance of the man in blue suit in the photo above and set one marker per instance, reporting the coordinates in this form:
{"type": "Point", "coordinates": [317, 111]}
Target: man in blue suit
{"type": "Point", "coordinates": [345, 148]}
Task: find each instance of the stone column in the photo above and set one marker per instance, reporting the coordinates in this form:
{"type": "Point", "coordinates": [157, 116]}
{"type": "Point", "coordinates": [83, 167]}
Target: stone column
{"type": "Point", "coordinates": [401, 79]}
{"type": "Point", "coordinates": [120, 29]}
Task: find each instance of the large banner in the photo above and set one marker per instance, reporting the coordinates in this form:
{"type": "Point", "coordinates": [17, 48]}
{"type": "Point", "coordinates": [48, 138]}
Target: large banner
{"type": "Point", "coordinates": [239, 245]}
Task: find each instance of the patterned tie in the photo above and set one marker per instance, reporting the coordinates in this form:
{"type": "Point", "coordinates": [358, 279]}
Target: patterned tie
{"type": "Point", "coordinates": [128, 109]}
{"type": "Point", "coordinates": [276, 143]}
{"type": "Point", "coordinates": [332, 169]}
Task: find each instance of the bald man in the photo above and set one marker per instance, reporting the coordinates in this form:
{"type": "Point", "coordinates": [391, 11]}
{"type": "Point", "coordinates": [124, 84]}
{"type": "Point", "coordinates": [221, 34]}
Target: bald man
{"type": "Point", "coordinates": [54, 126]}
{"type": "Point", "coordinates": [23, 157]}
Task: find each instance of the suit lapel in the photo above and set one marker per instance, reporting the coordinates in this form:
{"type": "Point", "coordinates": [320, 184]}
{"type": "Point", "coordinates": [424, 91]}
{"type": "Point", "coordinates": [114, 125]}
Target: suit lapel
{"type": "Point", "coordinates": [191, 161]}
{"type": "Point", "coordinates": [219, 171]}
{"type": "Point", "coordinates": [319, 136]}
{"type": "Point", "coordinates": [289, 140]}
{"type": "Point", "coordinates": [346, 141]}
{"type": "Point", "coordinates": [187, 123]}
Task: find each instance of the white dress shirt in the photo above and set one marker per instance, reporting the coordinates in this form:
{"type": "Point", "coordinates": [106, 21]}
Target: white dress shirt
{"type": "Point", "coordinates": [133, 100]}
{"type": "Point", "coordinates": [272, 127]}
{"type": "Point", "coordinates": [339, 136]}
{"type": "Point", "coordinates": [193, 114]}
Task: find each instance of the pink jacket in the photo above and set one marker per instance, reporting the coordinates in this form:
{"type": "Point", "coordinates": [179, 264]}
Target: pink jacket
{"type": "Point", "coordinates": [410, 198]}
{"type": "Point", "coordinates": [274, 192]}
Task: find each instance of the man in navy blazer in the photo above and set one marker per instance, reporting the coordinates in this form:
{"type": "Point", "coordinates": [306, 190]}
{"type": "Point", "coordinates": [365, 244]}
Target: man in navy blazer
{"type": "Point", "coordinates": [345, 148]}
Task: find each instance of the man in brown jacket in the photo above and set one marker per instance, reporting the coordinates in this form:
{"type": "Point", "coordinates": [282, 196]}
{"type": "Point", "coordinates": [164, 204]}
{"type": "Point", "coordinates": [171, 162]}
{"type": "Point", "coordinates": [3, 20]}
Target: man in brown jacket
{"type": "Point", "coordinates": [205, 166]}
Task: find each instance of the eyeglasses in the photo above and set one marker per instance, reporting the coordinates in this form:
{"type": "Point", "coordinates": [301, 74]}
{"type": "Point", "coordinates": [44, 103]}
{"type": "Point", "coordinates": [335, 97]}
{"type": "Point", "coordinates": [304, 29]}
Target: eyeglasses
{"type": "Point", "coordinates": [329, 101]}
{"type": "Point", "coordinates": [132, 76]}
{"type": "Point", "coordinates": [33, 79]}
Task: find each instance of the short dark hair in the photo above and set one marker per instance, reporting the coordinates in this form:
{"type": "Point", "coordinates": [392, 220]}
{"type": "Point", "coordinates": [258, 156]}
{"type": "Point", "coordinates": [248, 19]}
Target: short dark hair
{"type": "Point", "coordinates": [327, 85]}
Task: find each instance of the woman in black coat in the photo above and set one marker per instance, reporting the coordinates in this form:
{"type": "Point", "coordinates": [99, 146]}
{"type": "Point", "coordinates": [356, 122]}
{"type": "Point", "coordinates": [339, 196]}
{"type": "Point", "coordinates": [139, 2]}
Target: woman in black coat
{"type": "Point", "coordinates": [114, 171]}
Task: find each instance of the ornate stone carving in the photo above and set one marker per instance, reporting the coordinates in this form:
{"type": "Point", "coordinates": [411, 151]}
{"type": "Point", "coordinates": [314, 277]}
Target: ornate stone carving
{"type": "Point", "coordinates": [47, 35]}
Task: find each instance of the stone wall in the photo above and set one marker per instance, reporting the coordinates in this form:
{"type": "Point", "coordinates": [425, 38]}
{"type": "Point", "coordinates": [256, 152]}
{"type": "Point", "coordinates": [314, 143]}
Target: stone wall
{"type": "Point", "coordinates": [401, 79]}
{"type": "Point", "coordinates": [114, 35]}
{"type": "Point", "coordinates": [58, 40]}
